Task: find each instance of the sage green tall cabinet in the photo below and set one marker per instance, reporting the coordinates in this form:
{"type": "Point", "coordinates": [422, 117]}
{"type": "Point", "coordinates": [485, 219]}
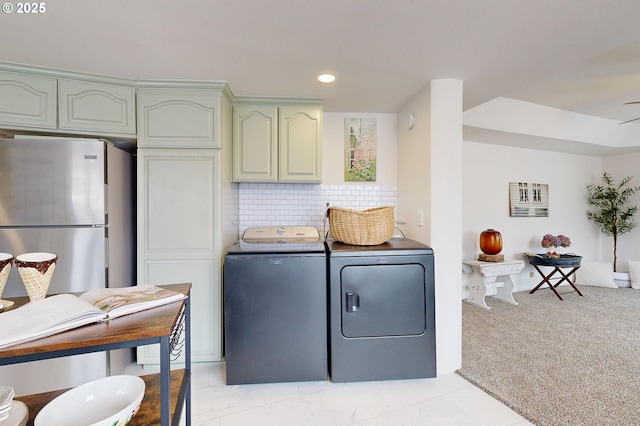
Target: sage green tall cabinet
{"type": "Point", "coordinates": [184, 173]}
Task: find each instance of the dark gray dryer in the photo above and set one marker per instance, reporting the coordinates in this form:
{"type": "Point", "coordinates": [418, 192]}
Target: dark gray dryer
{"type": "Point", "coordinates": [275, 306]}
{"type": "Point", "coordinates": [382, 311]}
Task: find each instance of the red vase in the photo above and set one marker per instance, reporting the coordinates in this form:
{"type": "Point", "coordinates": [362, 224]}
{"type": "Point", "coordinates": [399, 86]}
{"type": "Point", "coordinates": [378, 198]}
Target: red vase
{"type": "Point", "coordinates": [491, 241]}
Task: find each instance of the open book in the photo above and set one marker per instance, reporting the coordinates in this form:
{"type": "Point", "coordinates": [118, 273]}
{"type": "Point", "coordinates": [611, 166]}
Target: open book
{"type": "Point", "coordinates": [63, 312]}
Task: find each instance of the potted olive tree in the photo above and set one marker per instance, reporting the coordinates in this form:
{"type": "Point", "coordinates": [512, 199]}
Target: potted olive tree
{"type": "Point", "coordinates": [612, 210]}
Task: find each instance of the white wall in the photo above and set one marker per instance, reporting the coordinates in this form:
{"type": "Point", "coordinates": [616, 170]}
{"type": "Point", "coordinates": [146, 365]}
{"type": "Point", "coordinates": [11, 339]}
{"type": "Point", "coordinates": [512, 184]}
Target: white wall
{"type": "Point", "coordinates": [487, 171]}
{"type": "Point", "coordinates": [628, 244]}
{"type": "Point", "coordinates": [333, 135]}
{"type": "Point", "coordinates": [430, 179]}
{"type": "Point", "coordinates": [414, 176]}
{"type": "Point", "coordinates": [446, 217]}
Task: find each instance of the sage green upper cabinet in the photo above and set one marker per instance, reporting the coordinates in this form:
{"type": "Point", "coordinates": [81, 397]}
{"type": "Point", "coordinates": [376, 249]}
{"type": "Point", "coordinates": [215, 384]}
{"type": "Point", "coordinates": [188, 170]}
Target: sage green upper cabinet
{"type": "Point", "coordinates": [300, 145]}
{"type": "Point", "coordinates": [178, 118]}
{"type": "Point", "coordinates": [27, 101]}
{"type": "Point", "coordinates": [96, 107]}
{"type": "Point", "coordinates": [39, 99]}
{"type": "Point", "coordinates": [277, 142]}
{"type": "Point", "coordinates": [255, 143]}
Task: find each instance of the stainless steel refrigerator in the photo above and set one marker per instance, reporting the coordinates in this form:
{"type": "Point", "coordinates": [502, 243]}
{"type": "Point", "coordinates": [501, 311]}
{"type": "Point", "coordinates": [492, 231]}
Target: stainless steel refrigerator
{"type": "Point", "coordinates": [74, 198]}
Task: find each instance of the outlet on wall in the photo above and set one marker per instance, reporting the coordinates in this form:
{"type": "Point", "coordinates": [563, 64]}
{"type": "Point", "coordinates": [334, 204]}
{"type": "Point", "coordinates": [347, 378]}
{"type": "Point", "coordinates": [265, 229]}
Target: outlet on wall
{"type": "Point", "coordinates": [420, 217]}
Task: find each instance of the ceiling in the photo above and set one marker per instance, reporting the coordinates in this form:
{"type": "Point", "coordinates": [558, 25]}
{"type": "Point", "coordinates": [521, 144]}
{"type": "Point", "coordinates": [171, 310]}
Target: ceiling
{"type": "Point", "coordinates": [576, 55]}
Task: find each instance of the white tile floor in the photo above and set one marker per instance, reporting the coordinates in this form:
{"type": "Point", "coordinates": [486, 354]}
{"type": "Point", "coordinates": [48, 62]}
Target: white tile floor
{"type": "Point", "coordinates": [447, 400]}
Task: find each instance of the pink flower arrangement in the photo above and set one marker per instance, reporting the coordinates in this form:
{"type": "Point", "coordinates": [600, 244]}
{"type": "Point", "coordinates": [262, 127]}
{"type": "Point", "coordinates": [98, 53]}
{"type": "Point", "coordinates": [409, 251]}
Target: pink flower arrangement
{"type": "Point", "coordinates": [550, 241]}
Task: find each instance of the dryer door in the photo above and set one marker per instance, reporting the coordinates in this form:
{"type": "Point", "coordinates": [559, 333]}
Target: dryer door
{"type": "Point", "coordinates": [383, 300]}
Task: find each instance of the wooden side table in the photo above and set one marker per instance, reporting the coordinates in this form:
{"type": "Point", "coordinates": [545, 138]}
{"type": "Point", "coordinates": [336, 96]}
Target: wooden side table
{"type": "Point", "coordinates": [565, 261]}
{"type": "Point", "coordinates": [167, 393]}
{"type": "Point", "coordinates": [485, 277]}
{"type": "Point", "coordinates": [562, 275]}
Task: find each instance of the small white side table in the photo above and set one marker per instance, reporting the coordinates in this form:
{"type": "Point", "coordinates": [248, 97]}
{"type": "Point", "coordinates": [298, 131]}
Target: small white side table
{"type": "Point", "coordinates": [485, 277]}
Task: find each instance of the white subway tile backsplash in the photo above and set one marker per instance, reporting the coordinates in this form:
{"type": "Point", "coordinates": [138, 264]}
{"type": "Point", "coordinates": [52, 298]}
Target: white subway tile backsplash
{"type": "Point", "coordinates": [271, 204]}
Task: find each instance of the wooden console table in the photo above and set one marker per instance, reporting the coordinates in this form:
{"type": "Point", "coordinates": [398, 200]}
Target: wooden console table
{"type": "Point", "coordinates": [166, 393]}
{"type": "Point", "coordinates": [485, 277]}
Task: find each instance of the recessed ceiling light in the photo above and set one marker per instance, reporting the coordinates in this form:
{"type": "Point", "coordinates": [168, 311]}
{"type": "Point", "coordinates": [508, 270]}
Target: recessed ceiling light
{"type": "Point", "coordinates": [326, 78]}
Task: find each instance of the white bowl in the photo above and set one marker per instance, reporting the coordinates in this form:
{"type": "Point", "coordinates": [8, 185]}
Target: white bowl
{"type": "Point", "coordinates": [6, 397]}
{"type": "Point", "coordinates": [104, 402]}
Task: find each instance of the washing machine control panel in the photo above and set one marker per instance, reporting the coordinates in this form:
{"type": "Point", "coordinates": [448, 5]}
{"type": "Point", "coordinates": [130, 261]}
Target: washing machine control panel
{"type": "Point", "coordinates": [281, 234]}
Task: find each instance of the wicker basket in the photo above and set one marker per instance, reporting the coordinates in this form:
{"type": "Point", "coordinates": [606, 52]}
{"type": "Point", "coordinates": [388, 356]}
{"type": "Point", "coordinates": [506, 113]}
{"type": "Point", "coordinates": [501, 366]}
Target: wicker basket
{"type": "Point", "coordinates": [361, 228]}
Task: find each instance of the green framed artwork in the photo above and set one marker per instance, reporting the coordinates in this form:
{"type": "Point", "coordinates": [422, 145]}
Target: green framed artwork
{"type": "Point", "coordinates": [360, 141]}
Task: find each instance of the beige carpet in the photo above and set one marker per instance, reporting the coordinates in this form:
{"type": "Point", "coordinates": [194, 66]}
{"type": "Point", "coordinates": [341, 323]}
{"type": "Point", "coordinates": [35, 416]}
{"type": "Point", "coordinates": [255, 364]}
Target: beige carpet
{"type": "Point", "coordinates": [570, 362]}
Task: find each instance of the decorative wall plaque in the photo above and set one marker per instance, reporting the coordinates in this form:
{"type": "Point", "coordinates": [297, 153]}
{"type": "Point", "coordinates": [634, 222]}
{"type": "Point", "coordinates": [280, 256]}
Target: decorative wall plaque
{"type": "Point", "coordinates": [528, 199]}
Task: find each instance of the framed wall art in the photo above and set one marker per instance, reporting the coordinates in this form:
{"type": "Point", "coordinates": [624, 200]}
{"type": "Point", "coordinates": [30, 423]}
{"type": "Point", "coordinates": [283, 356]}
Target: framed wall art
{"type": "Point", "coordinates": [360, 142]}
{"type": "Point", "coordinates": [528, 199]}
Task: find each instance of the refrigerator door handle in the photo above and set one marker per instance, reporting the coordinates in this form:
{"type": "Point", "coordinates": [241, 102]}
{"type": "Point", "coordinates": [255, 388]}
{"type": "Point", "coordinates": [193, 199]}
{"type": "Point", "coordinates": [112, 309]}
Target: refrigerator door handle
{"type": "Point", "coordinates": [106, 252]}
{"type": "Point", "coordinates": [106, 198]}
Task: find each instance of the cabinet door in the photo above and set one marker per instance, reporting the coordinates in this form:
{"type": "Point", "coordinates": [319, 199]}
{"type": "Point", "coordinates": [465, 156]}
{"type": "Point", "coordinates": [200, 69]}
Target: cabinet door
{"type": "Point", "coordinates": [178, 201]}
{"type": "Point", "coordinates": [96, 107]}
{"type": "Point", "coordinates": [178, 118]}
{"type": "Point", "coordinates": [27, 101]}
{"type": "Point", "coordinates": [205, 306]}
{"type": "Point", "coordinates": [255, 144]}
{"type": "Point", "coordinates": [300, 144]}
{"type": "Point", "coordinates": [179, 236]}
